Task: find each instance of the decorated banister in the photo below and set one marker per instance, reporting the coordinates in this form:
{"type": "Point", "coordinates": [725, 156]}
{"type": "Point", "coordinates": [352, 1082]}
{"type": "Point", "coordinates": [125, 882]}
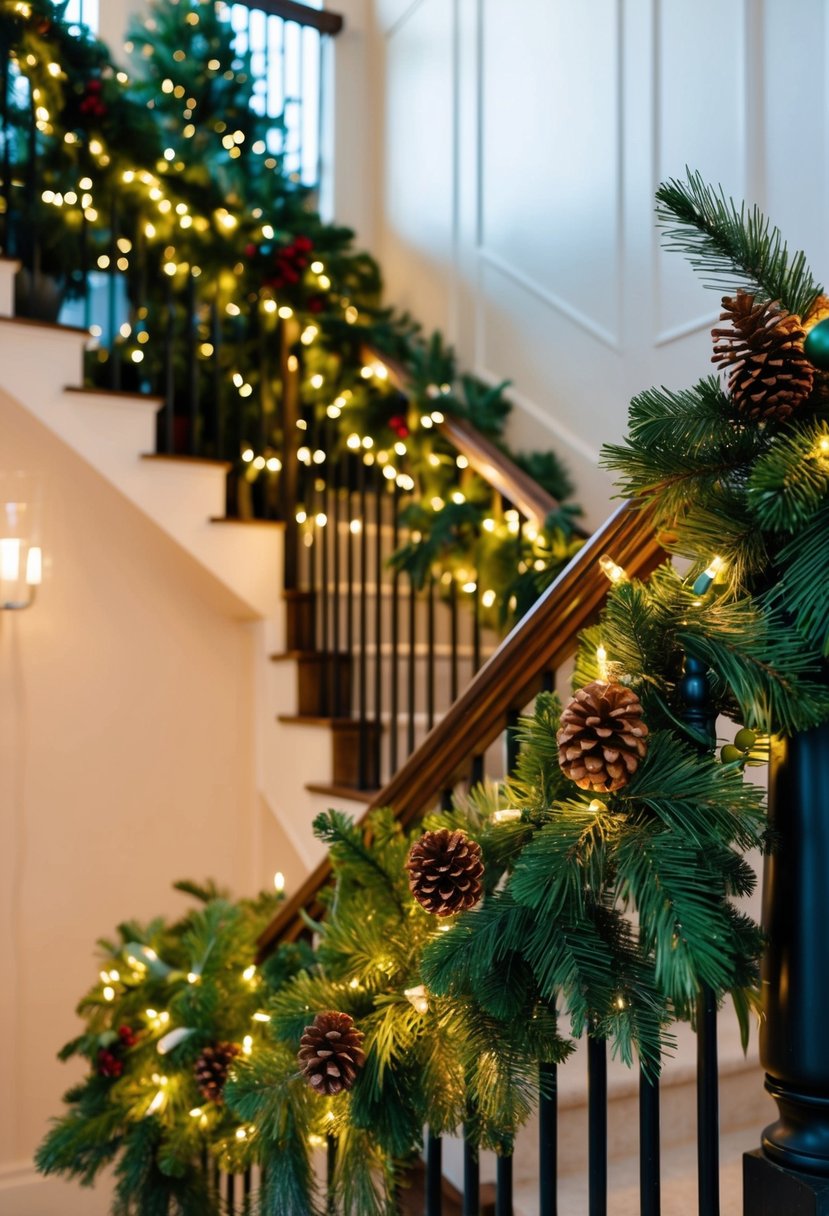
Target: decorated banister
{"type": "Point", "coordinates": [537, 645]}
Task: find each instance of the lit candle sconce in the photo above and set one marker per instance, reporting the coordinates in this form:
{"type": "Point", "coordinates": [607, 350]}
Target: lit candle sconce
{"type": "Point", "coordinates": [21, 556]}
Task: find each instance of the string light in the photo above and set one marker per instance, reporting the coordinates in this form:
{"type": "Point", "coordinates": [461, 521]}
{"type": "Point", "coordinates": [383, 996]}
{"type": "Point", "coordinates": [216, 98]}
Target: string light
{"type": "Point", "coordinates": [279, 881]}
{"type": "Point", "coordinates": [259, 1016]}
{"type": "Point", "coordinates": [249, 972]}
{"type": "Point", "coordinates": [417, 998]}
{"type": "Point", "coordinates": [706, 579]}
{"type": "Point", "coordinates": [596, 806]}
{"type": "Point", "coordinates": [109, 993]}
{"type": "Point", "coordinates": [601, 659]}
{"type": "Point", "coordinates": [247, 1044]}
{"type": "Point", "coordinates": [510, 815]}
{"type": "Point", "coordinates": [488, 598]}
{"type": "Point", "coordinates": [614, 572]}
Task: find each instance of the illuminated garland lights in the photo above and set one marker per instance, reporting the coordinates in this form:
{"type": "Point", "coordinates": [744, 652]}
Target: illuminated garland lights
{"type": "Point", "coordinates": [177, 156]}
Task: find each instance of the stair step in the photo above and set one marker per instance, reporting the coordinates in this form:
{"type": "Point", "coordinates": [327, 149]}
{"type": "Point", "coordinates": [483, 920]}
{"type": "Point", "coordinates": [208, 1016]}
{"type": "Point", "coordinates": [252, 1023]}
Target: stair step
{"type": "Point", "coordinates": [322, 720]}
{"type": "Point", "coordinates": [306, 656]}
{"type": "Point", "coordinates": [50, 325]}
{"type": "Point", "coordinates": [237, 519]}
{"type": "Point", "coordinates": [122, 394]}
{"type": "Point", "coordinates": [342, 791]}
{"type": "Point", "coordinates": [186, 458]}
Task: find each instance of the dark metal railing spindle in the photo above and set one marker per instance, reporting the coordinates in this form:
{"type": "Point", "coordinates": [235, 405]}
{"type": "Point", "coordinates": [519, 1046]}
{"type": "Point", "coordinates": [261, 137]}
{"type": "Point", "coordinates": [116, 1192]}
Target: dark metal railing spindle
{"type": "Point", "coordinates": [453, 640]}
{"type": "Point", "coordinates": [708, 1119]}
{"type": "Point", "coordinates": [329, 707]}
{"type": "Point", "coordinates": [503, 1185]}
{"type": "Point", "coordinates": [7, 230]}
{"type": "Point", "coordinates": [650, 1202]}
{"type": "Point", "coordinates": [471, 1175]}
{"type": "Point", "coordinates": [597, 1125]}
{"type": "Point", "coordinates": [430, 655]}
{"type": "Point", "coordinates": [169, 368]}
{"type": "Point", "coordinates": [380, 482]}
{"type": "Point", "coordinates": [363, 627]}
{"type": "Point", "coordinates": [230, 1193]}
{"type": "Point", "coordinates": [112, 302]}
{"type": "Point", "coordinates": [434, 1175]}
{"type": "Point", "coordinates": [548, 1140]}
{"type": "Point", "coordinates": [337, 698]}
{"type": "Point", "coordinates": [193, 435]}
{"type": "Point", "coordinates": [395, 639]}
{"type": "Point", "coordinates": [411, 689]}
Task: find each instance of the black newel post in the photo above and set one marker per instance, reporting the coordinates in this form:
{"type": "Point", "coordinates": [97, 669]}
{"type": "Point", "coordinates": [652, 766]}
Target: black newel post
{"type": "Point", "coordinates": [789, 1176]}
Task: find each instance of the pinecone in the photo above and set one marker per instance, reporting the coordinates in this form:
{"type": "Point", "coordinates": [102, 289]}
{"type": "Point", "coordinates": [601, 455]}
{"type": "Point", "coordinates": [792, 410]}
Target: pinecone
{"type": "Point", "coordinates": [602, 737]}
{"type": "Point", "coordinates": [330, 1052]}
{"type": "Point", "coordinates": [212, 1067]}
{"type": "Point", "coordinates": [769, 374]}
{"type": "Point", "coordinates": [445, 871]}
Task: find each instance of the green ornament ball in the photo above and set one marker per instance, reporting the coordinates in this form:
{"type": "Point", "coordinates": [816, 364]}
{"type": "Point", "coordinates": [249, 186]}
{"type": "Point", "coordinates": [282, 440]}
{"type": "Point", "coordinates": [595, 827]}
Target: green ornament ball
{"type": "Point", "coordinates": [816, 346]}
{"type": "Point", "coordinates": [730, 753]}
{"type": "Point", "coordinates": [745, 739]}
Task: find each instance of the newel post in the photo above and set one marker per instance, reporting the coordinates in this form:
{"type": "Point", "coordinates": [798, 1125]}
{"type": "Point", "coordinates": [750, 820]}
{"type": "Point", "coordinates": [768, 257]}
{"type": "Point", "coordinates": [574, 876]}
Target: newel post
{"type": "Point", "coordinates": [789, 1175]}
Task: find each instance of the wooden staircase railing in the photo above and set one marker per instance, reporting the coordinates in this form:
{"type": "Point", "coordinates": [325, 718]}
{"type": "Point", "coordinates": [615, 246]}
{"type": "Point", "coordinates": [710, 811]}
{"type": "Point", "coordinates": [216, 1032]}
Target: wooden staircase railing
{"type": "Point", "coordinates": [527, 659]}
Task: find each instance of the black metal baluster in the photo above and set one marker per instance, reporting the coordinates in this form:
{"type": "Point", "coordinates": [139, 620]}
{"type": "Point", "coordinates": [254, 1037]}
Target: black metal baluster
{"type": "Point", "coordinates": [32, 209]}
{"type": "Point", "coordinates": [337, 697]}
{"type": "Point", "coordinates": [430, 654]}
{"type": "Point", "coordinates": [503, 1185]}
{"type": "Point", "coordinates": [453, 635]}
{"type": "Point", "coordinates": [193, 364]}
{"type": "Point", "coordinates": [378, 624]}
{"type": "Point", "coordinates": [349, 574]}
{"type": "Point", "coordinates": [325, 598]}
{"type": "Point", "coordinates": [169, 368]}
{"type": "Point", "coordinates": [597, 1125]}
{"type": "Point", "coordinates": [112, 302]}
{"type": "Point", "coordinates": [650, 1203]}
{"type": "Point", "coordinates": [708, 1118]}
{"type": "Point", "coordinates": [411, 665]}
{"type": "Point", "coordinates": [476, 627]}
{"type": "Point", "coordinates": [395, 638]}
{"type": "Point", "coordinates": [512, 740]}
{"type": "Point", "coordinates": [246, 1188]}
{"type": "Point", "coordinates": [477, 773]}
{"type": "Point", "coordinates": [471, 1175]}
{"type": "Point", "coordinates": [230, 1192]}
{"type": "Point", "coordinates": [434, 1175]}
{"type": "Point", "coordinates": [363, 626]}
{"type": "Point", "coordinates": [548, 1140]}
{"type": "Point", "coordinates": [219, 402]}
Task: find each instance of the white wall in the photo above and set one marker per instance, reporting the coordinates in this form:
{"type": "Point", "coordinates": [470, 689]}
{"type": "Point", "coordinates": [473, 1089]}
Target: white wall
{"type": "Point", "coordinates": [126, 761]}
{"type": "Point", "coordinates": [521, 144]}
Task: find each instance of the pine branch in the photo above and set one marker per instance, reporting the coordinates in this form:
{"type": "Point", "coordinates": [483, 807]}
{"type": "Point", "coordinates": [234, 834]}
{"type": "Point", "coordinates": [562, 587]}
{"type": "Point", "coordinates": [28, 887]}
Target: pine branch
{"type": "Point", "coordinates": [732, 246]}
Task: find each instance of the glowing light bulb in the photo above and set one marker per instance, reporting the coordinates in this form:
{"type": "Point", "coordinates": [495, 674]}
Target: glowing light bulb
{"type": "Point", "coordinates": [615, 573]}
{"type": "Point", "coordinates": [488, 598]}
{"type": "Point", "coordinates": [510, 815]}
{"type": "Point", "coordinates": [601, 659]}
{"type": "Point", "coordinates": [249, 972]}
{"type": "Point", "coordinates": [259, 1016]}
{"type": "Point", "coordinates": [109, 993]}
{"type": "Point", "coordinates": [279, 881]}
{"type": "Point", "coordinates": [417, 998]}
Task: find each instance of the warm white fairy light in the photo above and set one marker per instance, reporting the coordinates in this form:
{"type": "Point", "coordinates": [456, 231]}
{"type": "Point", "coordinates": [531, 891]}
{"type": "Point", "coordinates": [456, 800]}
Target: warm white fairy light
{"type": "Point", "coordinates": [508, 815]}
{"type": "Point", "coordinates": [109, 993]}
{"type": "Point", "coordinates": [601, 659]}
{"type": "Point", "coordinates": [488, 598]}
{"type": "Point", "coordinates": [614, 572]}
{"type": "Point", "coordinates": [279, 881]}
{"type": "Point", "coordinates": [417, 998]}
{"type": "Point", "coordinates": [249, 972]}
{"type": "Point", "coordinates": [259, 1016]}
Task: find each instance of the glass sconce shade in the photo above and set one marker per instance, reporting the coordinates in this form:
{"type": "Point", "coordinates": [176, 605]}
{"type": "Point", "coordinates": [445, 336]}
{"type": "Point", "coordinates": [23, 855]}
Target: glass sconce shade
{"type": "Point", "coordinates": [21, 556]}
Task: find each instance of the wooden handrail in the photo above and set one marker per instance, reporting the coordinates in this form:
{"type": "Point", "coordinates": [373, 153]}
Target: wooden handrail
{"type": "Point", "coordinates": [485, 457]}
{"type": "Point", "coordinates": [289, 10]}
{"type": "Point", "coordinates": [539, 643]}
{"type": "Point", "coordinates": [498, 470]}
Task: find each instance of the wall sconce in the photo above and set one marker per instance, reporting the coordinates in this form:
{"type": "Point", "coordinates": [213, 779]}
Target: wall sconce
{"type": "Point", "coordinates": [21, 557]}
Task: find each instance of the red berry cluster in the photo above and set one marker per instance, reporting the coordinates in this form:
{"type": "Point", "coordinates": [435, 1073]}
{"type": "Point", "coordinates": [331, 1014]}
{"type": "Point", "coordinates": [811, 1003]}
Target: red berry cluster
{"type": "Point", "coordinates": [399, 425]}
{"type": "Point", "coordinates": [289, 263]}
{"type": "Point", "coordinates": [92, 104]}
{"type": "Point", "coordinates": [109, 1062]}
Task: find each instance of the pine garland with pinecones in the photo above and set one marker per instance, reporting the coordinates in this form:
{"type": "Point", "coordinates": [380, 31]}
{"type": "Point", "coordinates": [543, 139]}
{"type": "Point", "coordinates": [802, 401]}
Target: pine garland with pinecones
{"type": "Point", "coordinates": [762, 348]}
{"type": "Point", "coordinates": [445, 871]}
{"type": "Point", "coordinates": [212, 1067]}
{"type": "Point", "coordinates": [331, 1053]}
{"type": "Point", "coordinates": [602, 737]}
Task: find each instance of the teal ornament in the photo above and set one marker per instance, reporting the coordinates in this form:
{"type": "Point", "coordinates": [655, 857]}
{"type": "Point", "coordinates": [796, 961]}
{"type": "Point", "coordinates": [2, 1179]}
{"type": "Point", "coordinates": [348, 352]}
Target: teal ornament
{"type": "Point", "coordinates": [816, 346]}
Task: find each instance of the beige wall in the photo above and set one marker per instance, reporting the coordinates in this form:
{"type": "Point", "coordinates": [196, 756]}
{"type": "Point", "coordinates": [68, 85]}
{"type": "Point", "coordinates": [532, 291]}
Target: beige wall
{"type": "Point", "coordinates": [126, 761]}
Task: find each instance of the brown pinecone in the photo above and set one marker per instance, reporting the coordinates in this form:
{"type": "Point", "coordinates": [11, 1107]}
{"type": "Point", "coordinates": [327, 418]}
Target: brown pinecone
{"type": "Point", "coordinates": [602, 737]}
{"type": "Point", "coordinates": [445, 871]}
{"type": "Point", "coordinates": [330, 1052]}
{"type": "Point", "coordinates": [769, 374]}
{"type": "Point", "coordinates": [212, 1067]}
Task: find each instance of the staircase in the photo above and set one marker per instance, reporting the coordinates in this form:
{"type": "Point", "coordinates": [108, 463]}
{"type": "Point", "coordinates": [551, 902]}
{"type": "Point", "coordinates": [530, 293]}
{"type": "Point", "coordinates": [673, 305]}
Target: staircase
{"type": "Point", "coordinates": [382, 696]}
